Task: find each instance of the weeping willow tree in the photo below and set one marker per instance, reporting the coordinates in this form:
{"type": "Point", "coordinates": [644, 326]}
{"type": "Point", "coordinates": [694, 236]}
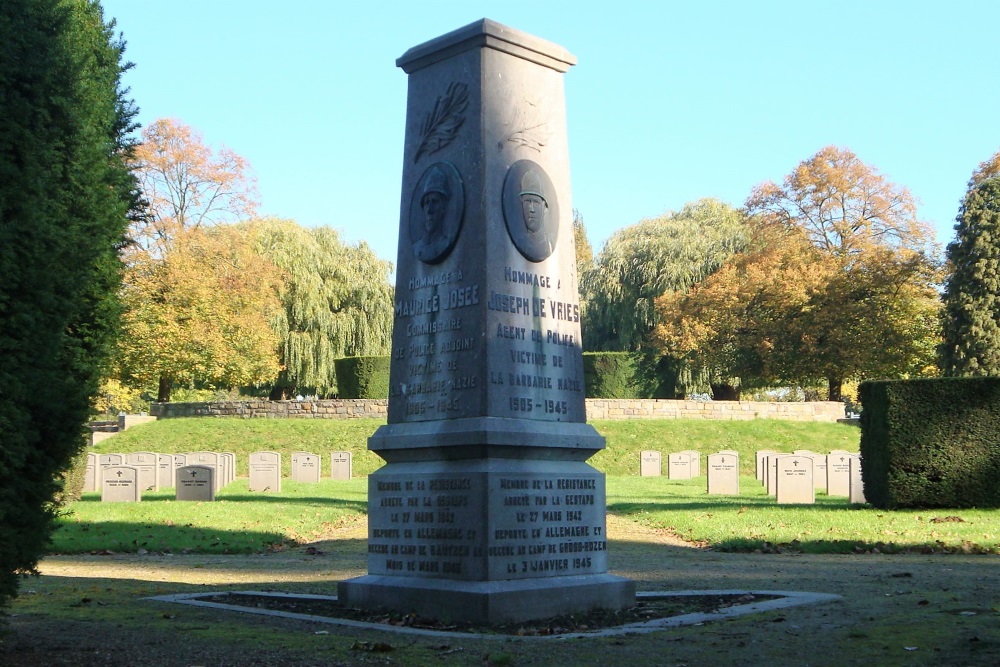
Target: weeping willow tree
{"type": "Point", "coordinates": [641, 262]}
{"type": "Point", "coordinates": [337, 302]}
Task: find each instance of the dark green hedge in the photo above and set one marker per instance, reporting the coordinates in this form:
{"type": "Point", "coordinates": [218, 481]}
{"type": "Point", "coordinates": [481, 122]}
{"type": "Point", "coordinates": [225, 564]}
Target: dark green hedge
{"type": "Point", "coordinates": [931, 443]}
{"type": "Point", "coordinates": [363, 377]}
{"type": "Point", "coordinates": [610, 375]}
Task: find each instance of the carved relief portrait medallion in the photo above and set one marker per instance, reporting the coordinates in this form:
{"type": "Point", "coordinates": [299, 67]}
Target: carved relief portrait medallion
{"type": "Point", "coordinates": [436, 210]}
{"type": "Point", "coordinates": [531, 210]}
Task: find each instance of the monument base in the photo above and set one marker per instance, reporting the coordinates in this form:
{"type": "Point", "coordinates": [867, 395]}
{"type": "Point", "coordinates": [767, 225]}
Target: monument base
{"type": "Point", "coordinates": [489, 602]}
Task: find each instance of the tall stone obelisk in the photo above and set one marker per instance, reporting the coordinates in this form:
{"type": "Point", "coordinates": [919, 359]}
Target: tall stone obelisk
{"type": "Point", "coordinates": [486, 509]}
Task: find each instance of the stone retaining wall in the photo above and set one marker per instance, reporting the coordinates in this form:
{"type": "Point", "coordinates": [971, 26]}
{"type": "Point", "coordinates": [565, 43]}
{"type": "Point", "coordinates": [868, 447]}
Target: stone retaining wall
{"type": "Point", "coordinates": [818, 411]}
{"type": "Point", "coordinates": [597, 408]}
{"type": "Point", "coordinates": [324, 409]}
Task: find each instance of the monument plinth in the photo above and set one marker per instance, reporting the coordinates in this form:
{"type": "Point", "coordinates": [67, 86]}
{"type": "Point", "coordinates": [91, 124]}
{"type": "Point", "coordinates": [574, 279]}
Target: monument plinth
{"type": "Point", "coordinates": [486, 509]}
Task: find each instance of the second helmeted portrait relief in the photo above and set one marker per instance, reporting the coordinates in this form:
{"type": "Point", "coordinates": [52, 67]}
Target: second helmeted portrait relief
{"type": "Point", "coordinates": [436, 210]}
{"type": "Point", "coordinates": [531, 210]}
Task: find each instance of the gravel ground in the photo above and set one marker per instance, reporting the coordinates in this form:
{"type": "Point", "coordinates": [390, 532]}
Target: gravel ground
{"type": "Point", "coordinates": [896, 610]}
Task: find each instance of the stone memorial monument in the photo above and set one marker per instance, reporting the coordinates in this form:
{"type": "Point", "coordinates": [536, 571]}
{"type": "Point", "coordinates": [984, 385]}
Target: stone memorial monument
{"type": "Point", "coordinates": [650, 463]}
{"type": "Point", "coordinates": [486, 509]}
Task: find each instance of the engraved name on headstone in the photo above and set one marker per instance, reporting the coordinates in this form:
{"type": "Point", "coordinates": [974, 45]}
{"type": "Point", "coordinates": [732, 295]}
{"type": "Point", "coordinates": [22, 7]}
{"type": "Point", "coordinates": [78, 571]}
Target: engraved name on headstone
{"type": "Point", "coordinates": [650, 463]}
{"type": "Point", "coordinates": [486, 509]}
{"type": "Point", "coordinates": [120, 484]}
{"type": "Point", "coordinates": [265, 472]}
{"type": "Point", "coordinates": [794, 479]}
{"type": "Point", "coordinates": [196, 483]}
{"type": "Point", "coordinates": [723, 474]}
{"type": "Point", "coordinates": [340, 465]}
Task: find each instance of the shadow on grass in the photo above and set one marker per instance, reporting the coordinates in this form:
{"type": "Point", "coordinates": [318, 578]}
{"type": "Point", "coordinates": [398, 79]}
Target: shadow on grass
{"type": "Point", "coordinates": [107, 537]}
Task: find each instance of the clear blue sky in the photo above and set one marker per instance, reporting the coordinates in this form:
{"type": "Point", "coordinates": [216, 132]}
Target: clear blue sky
{"type": "Point", "coordinates": [669, 102]}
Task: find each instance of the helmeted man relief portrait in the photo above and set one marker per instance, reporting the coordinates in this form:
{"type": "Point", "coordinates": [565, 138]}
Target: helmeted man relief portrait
{"type": "Point", "coordinates": [436, 209]}
{"type": "Point", "coordinates": [530, 210]}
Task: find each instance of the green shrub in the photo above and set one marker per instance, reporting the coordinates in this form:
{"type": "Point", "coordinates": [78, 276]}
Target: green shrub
{"type": "Point", "coordinates": [363, 377]}
{"type": "Point", "coordinates": [610, 375]}
{"type": "Point", "coordinates": [931, 443]}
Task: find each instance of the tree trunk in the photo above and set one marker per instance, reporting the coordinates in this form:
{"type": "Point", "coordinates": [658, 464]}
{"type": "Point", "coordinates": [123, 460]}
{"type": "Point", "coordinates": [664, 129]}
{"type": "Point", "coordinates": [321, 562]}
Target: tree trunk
{"type": "Point", "coordinates": [163, 394]}
{"type": "Point", "coordinates": [835, 385]}
{"type": "Point", "coordinates": [725, 392]}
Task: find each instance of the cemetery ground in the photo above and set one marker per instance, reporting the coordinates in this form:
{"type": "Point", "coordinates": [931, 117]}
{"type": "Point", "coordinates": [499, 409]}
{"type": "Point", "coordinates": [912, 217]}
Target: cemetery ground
{"type": "Point", "coordinates": [917, 587]}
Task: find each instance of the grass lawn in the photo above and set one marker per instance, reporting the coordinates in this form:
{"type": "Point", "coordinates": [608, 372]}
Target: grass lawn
{"type": "Point", "coordinates": [241, 522]}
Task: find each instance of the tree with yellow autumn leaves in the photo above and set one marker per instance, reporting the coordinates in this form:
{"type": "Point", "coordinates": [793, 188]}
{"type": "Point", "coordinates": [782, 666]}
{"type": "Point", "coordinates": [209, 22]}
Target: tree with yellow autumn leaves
{"type": "Point", "coordinates": [839, 284]}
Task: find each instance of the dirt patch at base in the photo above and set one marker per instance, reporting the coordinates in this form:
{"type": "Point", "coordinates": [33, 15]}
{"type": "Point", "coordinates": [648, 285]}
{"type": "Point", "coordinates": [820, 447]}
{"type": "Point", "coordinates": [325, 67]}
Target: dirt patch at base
{"type": "Point", "coordinates": [596, 619]}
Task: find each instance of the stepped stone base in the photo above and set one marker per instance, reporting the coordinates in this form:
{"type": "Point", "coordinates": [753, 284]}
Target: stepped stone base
{"type": "Point", "coordinates": [489, 602]}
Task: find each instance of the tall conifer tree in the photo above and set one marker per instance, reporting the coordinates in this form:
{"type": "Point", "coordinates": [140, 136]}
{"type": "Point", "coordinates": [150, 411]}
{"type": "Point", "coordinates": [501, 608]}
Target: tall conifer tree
{"type": "Point", "coordinates": [65, 196]}
{"type": "Point", "coordinates": [972, 293]}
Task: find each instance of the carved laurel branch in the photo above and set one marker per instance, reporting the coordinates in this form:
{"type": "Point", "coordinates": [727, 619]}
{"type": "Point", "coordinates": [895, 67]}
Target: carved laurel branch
{"type": "Point", "coordinates": [443, 122]}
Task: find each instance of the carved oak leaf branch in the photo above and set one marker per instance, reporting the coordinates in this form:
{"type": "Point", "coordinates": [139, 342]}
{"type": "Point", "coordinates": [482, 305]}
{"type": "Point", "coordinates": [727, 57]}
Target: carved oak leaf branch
{"type": "Point", "coordinates": [443, 122]}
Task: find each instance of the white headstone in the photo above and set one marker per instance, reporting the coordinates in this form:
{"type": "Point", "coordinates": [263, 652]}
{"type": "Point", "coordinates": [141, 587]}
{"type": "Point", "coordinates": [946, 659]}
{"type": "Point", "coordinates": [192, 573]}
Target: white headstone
{"type": "Point", "coordinates": [120, 484]}
{"type": "Point", "coordinates": [196, 483]}
{"type": "Point", "coordinates": [265, 472]}
{"type": "Point", "coordinates": [679, 466]}
{"type": "Point", "coordinates": [340, 465]}
{"type": "Point", "coordinates": [838, 475]}
{"type": "Point", "coordinates": [794, 480]}
{"type": "Point", "coordinates": [92, 478]}
{"type": "Point", "coordinates": [146, 463]}
{"type": "Point", "coordinates": [761, 468]}
{"type": "Point", "coordinates": [695, 461]}
{"type": "Point", "coordinates": [206, 459]}
{"type": "Point", "coordinates": [165, 470]}
{"type": "Point", "coordinates": [723, 474]}
{"type": "Point", "coordinates": [306, 467]}
{"type": "Point", "coordinates": [650, 463]}
{"type": "Point", "coordinates": [857, 489]}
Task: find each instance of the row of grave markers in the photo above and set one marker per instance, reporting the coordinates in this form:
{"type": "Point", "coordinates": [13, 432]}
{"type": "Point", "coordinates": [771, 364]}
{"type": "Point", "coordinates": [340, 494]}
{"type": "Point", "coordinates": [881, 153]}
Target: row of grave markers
{"type": "Point", "coordinates": [790, 478]}
{"type": "Point", "coordinates": [199, 475]}
{"type": "Point", "coordinates": [722, 468]}
{"type": "Point", "coordinates": [794, 478]}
